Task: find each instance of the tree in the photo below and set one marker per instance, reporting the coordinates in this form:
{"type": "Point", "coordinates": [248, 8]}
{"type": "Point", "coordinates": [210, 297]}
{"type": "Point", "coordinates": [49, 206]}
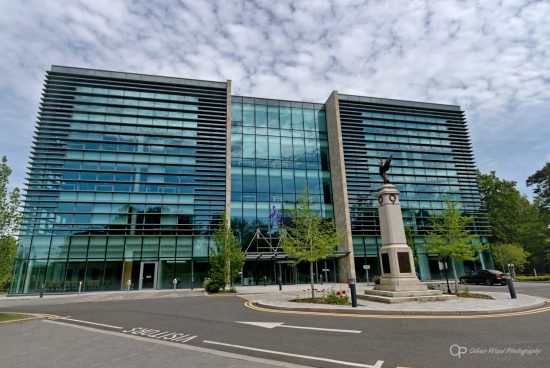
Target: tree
{"type": "Point", "coordinates": [504, 254]}
{"type": "Point", "coordinates": [227, 257]}
{"type": "Point", "coordinates": [309, 237]}
{"type": "Point", "coordinates": [515, 220]}
{"type": "Point", "coordinates": [10, 219]}
{"type": "Point", "coordinates": [541, 181]}
{"type": "Point", "coordinates": [449, 237]}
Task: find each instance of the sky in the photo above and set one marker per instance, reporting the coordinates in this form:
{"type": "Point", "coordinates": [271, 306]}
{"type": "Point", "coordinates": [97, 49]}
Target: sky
{"type": "Point", "coordinates": [490, 57]}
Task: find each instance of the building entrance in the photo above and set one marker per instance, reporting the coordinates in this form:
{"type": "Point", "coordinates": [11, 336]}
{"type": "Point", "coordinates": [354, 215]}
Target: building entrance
{"type": "Point", "coordinates": [148, 275]}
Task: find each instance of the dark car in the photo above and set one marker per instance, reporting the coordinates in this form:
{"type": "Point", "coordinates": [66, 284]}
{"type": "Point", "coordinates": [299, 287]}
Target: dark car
{"type": "Point", "coordinates": [487, 277]}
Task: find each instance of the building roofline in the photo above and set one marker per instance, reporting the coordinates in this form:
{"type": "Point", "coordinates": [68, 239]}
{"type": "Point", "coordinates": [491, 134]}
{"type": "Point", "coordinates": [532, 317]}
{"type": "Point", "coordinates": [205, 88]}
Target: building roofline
{"type": "Point", "coordinates": [394, 102]}
{"type": "Point", "coordinates": [277, 101]}
{"type": "Point", "coordinates": [136, 76]}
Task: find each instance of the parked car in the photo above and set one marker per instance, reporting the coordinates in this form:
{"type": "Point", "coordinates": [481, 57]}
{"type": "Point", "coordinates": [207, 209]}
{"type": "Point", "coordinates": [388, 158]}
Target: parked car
{"type": "Point", "coordinates": [487, 277]}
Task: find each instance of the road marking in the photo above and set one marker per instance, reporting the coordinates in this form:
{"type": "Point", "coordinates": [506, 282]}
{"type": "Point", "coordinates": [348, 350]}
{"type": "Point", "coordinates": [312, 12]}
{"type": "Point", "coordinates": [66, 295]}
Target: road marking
{"type": "Point", "coordinates": [251, 305]}
{"type": "Point", "coordinates": [157, 334]}
{"type": "Point", "coordinates": [378, 364]}
{"type": "Point", "coordinates": [88, 322]}
{"type": "Point", "coordinates": [221, 353]}
{"type": "Point", "coordinates": [281, 324]}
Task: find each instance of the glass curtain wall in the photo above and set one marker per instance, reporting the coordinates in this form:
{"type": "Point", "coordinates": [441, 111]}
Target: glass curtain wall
{"type": "Point", "coordinates": [432, 161]}
{"type": "Point", "coordinates": [125, 169]}
{"type": "Point", "coordinates": [277, 149]}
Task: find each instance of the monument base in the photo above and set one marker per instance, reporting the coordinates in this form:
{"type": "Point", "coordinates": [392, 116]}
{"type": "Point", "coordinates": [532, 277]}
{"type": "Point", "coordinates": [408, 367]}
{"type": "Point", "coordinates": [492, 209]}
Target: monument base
{"type": "Point", "coordinates": [398, 271]}
{"type": "Point", "coordinates": [393, 297]}
{"type": "Point", "coordinates": [398, 282]}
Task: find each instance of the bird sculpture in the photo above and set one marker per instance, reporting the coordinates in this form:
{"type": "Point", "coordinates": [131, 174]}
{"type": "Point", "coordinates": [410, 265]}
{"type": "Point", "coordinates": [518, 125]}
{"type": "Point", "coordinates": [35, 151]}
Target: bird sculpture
{"type": "Point", "coordinates": [384, 167]}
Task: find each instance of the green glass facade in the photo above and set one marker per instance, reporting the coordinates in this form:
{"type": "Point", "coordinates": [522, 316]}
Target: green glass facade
{"type": "Point", "coordinates": [277, 149]}
{"type": "Point", "coordinates": [125, 169]}
{"type": "Point", "coordinates": [432, 161]}
{"type": "Point", "coordinates": [129, 174]}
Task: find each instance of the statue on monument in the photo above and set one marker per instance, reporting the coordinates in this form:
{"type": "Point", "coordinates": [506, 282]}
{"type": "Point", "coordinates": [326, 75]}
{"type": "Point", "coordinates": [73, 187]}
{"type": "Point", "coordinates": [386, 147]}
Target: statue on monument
{"type": "Point", "coordinates": [384, 167]}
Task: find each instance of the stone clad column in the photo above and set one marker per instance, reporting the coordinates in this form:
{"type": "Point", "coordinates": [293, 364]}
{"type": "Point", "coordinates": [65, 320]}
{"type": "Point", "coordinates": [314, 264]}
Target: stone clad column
{"type": "Point", "coordinates": [398, 272]}
{"type": "Point", "coordinates": [346, 263]}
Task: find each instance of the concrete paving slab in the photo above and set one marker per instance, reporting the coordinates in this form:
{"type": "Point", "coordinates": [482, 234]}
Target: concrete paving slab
{"type": "Point", "coordinates": [501, 302]}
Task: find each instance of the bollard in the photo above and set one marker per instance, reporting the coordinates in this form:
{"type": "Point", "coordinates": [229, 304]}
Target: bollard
{"type": "Point", "coordinates": [280, 279]}
{"type": "Point", "coordinates": [353, 291]}
{"type": "Point", "coordinates": [129, 283]}
{"type": "Point", "coordinates": [79, 287]}
{"type": "Point", "coordinates": [42, 290]}
{"type": "Point", "coordinates": [512, 289]}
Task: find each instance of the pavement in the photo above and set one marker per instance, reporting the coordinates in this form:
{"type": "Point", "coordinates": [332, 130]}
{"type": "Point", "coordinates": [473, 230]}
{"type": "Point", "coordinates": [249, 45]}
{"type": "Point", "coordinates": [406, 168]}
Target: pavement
{"type": "Point", "coordinates": [54, 345]}
{"type": "Point", "coordinates": [271, 297]}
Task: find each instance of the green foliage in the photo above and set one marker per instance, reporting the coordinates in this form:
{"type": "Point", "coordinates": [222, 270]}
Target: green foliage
{"type": "Point", "coordinates": [10, 219]}
{"type": "Point", "coordinates": [337, 297]}
{"type": "Point", "coordinates": [227, 258]}
{"type": "Point", "coordinates": [533, 278]}
{"type": "Point", "coordinates": [449, 237]}
{"type": "Point", "coordinates": [8, 245]}
{"type": "Point", "coordinates": [377, 280]}
{"type": "Point", "coordinates": [212, 287]}
{"type": "Point", "coordinates": [541, 181]}
{"type": "Point", "coordinates": [514, 220]}
{"type": "Point", "coordinates": [504, 253]}
{"type": "Point", "coordinates": [430, 287]}
{"type": "Point", "coordinates": [309, 237]}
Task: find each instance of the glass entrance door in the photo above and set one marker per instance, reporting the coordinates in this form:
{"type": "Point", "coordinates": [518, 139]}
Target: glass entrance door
{"type": "Point", "coordinates": [148, 275]}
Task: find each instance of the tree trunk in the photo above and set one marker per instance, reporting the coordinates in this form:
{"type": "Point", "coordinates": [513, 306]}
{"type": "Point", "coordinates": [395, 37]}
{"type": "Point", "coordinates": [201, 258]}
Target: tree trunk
{"type": "Point", "coordinates": [227, 275]}
{"type": "Point", "coordinates": [454, 275]}
{"type": "Point", "coordinates": [311, 278]}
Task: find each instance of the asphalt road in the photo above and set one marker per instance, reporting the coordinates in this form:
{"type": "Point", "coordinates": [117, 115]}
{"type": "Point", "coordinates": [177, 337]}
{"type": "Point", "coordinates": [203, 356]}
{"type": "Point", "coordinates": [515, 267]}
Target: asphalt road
{"type": "Point", "coordinates": [541, 289]}
{"type": "Point", "coordinates": [520, 340]}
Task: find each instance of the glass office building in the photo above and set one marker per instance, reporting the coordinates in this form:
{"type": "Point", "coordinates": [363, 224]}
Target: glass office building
{"type": "Point", "coordinates": [432, 162]}
{"type": "Point", "coordinates": [130, 173]}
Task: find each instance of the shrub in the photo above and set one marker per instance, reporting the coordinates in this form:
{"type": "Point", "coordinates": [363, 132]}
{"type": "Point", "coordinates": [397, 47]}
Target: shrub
{"type": "Point", "coordinates": [430, 287]}
{"type": "Point", "coordinates": [533, 278]}
{"type": "Point", "coordinates": [377, 280]}
{"type": "Point", "coordinates": [212, 287]}
{"type": "Point", "coordinates": [338, 297]}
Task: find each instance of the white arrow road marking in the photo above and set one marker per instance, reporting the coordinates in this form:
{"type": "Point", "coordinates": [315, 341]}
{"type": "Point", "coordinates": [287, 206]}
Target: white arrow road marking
{"type": "Point", "coordinates": [378, 364]}
{"type": "Point", "coordinates": [281, 324]}
{"type": "Point", "coordinates": [90, 323]}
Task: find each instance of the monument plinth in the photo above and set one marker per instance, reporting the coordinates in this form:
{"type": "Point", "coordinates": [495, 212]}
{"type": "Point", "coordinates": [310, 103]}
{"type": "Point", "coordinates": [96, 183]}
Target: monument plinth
{"type": "Point", "coordinates": [398, 271]}
{"type": "Point", "coordinates": [398, 282]}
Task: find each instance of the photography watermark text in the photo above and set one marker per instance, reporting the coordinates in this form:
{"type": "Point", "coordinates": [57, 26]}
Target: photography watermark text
{"type": "Point", "coordinates": [459, 351]}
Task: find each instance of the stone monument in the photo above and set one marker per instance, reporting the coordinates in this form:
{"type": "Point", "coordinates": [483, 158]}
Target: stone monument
{"type": "Point", "coordinates": [398, 282]}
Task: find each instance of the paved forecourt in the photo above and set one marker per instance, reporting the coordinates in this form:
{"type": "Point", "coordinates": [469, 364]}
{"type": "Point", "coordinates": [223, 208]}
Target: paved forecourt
{"type": "Point", "coordinates": [282, 300]}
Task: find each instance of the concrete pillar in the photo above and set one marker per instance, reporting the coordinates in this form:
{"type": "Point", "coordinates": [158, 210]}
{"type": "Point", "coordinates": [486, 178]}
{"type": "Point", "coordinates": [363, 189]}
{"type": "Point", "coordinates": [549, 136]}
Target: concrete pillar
{"type": "Point", "coordinates": [228, 155]}
{"type": "Point", "coordinates": [346, 264]}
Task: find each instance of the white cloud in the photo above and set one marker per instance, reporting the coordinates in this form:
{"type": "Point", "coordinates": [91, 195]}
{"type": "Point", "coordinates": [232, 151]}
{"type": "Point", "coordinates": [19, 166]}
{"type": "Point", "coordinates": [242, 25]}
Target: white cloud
{"type": "Point", "coordinates": [492, 59]}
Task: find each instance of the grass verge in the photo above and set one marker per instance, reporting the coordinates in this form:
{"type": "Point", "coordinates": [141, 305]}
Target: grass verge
{"type": "Point", "coordinates": [12, 316]}
{"type": "Point", "coordinates": [533, 278]}
{"type": "Point", "coordinates": [467, 294]}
